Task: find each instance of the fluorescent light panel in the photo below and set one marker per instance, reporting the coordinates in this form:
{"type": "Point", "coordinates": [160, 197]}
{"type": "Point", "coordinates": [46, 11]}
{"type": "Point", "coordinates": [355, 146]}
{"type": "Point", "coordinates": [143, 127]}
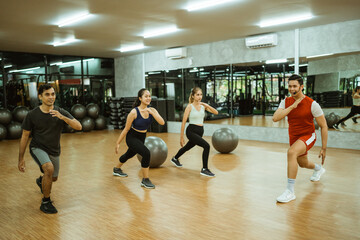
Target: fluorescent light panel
{"type": "Point", "coordinates": [8, 66]}
{"type": "Point", "coordinates": [276, 61]}
{"type": "Point", "coordinates": [22, 70]}
{"type": "Point", "coordinates": [75, 19]}
{"type": "Point", "coordinates": [300, 65]}
{"type": "Point", "coordinates": [160, 32]}
{"type": "Point", "coordinates": [206, 4]}
{"type": "Point", "coordinates": [321, 55]}
{"type": "Point", "coordinates": [285, 20]}
{"type": "Point", "coordinates": [132, 48]}
{"type": "Point", "coordinates": [72, 62]}
{"type": "Point", "coordinates": [55, 44]}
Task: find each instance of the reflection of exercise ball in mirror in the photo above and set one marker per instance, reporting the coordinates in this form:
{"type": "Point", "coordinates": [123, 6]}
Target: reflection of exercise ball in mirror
{"type": "Point", "coordinates": [225, 163]}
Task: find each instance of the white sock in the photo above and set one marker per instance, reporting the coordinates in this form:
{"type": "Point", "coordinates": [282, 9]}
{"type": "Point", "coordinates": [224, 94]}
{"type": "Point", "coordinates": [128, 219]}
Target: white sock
{"type": "Point", "coordinates": [317, 167]}
{"type": "Point", "coordinates": [291, 184]}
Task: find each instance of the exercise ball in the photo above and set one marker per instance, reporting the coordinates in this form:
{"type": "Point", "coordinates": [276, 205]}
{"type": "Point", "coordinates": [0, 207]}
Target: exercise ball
{"type": "Point", "coordinates": [5, 116]}
{"type": "Point", "coordinates": [68, 129]}
{"type": "Point", "coordinates": [158, 151]}
{"type": "Point", "coordinates": [224, 140]}
{"type": "Point", "coordinates": [3, 132]}
{"type": "Point", "coordinates": [100, 123]}
{"type": "Point", "coordinates": [93, 110]}
{"type": "Point", "coordinates": [78, 111]}
{"type": "Point", "coordinates": [331, 119]}
{"type": "Point", "coordinates": [20, 113]}
{"type": "Point", "coordinates": [88, 124]}
{"type": "Point", "coordinates": [14, 130]}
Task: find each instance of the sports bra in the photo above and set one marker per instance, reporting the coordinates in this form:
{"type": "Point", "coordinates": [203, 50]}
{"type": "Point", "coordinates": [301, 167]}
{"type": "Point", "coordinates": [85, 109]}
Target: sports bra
{"type": "Point", "coordinates": [141, 123]}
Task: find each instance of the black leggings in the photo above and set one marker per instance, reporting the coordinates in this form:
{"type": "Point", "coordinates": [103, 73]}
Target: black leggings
{"type": "Point", "coordinates": [135, 141]}
{"type": "Point", "coordinates": [354, 110]}
{"type": "Point", "coordinates": [194, 133]}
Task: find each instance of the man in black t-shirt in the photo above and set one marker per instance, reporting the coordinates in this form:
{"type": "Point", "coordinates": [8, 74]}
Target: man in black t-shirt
{"type": "Point", "coordinates": [45, 124]}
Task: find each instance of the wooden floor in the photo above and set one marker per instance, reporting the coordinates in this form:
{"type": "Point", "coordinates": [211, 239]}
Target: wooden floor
{"type": "Point", "coordinates": [266, 121]}
{"type": "Point", "coordinates": [239, 203]}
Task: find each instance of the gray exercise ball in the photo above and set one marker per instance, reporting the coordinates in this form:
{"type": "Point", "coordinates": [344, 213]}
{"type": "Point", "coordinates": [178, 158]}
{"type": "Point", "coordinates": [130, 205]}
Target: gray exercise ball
{"type": "Point", "coordinates": [78, 111]}
{"type": "Point", "coordinates": [68, 129]}
{"type": "Point", "coordinates": [5, 116]}
{"type": "Point", "coordinates": [20, 113]}
{"type": "Point", "coordinates": [93, 110]}
{"type": "Point", "coordinates": [87, 124]}
{"type": "Point", "coordinates": [14, 130]}
{"type": "Point", "coordinates": [100, 123]}
{"type": "Point", "coordinates": [224, 140]}
{"type": "Point", "coordinates": [3, 132]}
{"type": "Point", "coordinates": [158, 151]}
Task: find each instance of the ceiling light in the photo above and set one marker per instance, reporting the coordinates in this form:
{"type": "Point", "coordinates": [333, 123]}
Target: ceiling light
{"type": "Point", "coordinates": [8, 66]}
{"type": "Point", "coordinates": [132, 48]}
{"type": "Point", "coordinates": [72, 20]}
{"type": "Point", "coordinates": [321, 55]}
{"type": "Point", "coordinates": [72, 62]}
{"type": "Point", "coordinates": [300, 65]}
{"type": "Point", "coordinates": [22, 70]}
{"type": "Point", "coordinates": [161, 32]}
{"type": "Point", "coordinates": [276, 61]}
{"type": "Point", "coordinates": [281, 21]}
{"type": "Point", "coordinates": [55, 44]}
{"type": "Point", "coordinates": [206, 4]}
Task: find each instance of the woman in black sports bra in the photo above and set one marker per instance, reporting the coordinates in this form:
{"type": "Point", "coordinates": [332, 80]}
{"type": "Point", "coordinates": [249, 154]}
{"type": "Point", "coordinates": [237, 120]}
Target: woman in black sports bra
{"type": "Point", "coordinates": [137, 123]}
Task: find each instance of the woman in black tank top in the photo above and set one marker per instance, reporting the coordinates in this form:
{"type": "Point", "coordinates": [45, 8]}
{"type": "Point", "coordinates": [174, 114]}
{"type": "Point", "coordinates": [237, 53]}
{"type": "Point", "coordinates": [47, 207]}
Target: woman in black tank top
{"type": "Point", "coordinates": [137, 123]}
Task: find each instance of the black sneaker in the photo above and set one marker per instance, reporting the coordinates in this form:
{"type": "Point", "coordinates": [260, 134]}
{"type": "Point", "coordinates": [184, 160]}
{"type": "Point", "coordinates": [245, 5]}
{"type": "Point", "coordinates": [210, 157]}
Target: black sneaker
{"type": "Point", "coordinates": [336, 126]}
{"type": "Point", "coordinates": [39, 183]}
{"type": "Point", "coordinates": [119, 172]}
{"type": "Point", "coordinates": [146, 183]}
{"type": "Point", "coordinates": [207, 172]}
{"type": "Point", "coordinates": [354, 119]}
{"type": "Point", "coordinates": [48, 207]}
{"type": "Point", "coordinates": [176, 162]}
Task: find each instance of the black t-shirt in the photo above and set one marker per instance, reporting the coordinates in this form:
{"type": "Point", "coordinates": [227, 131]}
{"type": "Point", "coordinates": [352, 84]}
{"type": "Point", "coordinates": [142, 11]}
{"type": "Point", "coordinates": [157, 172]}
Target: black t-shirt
{"type": "Point", "coordinates": [45, 129]}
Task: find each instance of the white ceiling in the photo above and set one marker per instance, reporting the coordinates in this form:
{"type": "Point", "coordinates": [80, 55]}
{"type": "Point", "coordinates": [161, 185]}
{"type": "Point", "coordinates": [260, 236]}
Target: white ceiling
{"type": "Point", "coordinates": [31, 25]}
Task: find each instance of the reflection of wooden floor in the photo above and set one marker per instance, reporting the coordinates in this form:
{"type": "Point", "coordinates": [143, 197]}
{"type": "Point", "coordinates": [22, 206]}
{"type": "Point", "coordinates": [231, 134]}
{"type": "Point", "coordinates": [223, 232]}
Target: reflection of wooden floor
{"type": "Point", "coordinates": [266, 121]}
{"type": "Point", "coordinates": [239, 203]}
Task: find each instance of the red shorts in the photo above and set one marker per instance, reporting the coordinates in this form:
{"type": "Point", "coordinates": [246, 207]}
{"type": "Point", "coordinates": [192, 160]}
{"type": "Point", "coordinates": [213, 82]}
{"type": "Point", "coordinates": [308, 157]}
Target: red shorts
{"type": "Point", "coordinates": [309, 141]}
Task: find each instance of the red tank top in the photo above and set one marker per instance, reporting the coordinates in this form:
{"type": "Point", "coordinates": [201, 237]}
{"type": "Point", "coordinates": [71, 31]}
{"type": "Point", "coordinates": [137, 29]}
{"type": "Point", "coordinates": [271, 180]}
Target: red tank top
{"type": "Point", "coordinates": [300, 119]}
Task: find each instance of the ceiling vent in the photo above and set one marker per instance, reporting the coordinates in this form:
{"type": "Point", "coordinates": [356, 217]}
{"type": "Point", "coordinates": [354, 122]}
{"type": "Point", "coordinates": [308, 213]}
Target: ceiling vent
{"type": "Point", "coordinates": [261, 41]}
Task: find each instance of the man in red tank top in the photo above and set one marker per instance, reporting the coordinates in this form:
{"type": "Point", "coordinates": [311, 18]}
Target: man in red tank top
{"type": "Point", "coordinates": [301, 111]}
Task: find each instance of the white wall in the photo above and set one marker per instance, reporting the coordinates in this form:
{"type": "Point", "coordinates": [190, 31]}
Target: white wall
{"type": "Point", "coordinates": [341, 37]}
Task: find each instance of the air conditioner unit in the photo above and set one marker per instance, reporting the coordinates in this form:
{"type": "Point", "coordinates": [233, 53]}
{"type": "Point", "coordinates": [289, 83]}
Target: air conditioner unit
{"type": "Point", "coordinates": [260, 41]}
{"type": "Point", "coordinates": [176, 53]}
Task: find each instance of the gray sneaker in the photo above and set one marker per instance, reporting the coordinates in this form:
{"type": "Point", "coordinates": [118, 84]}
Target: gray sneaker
{"type": "Point", "coordinates": [207, 172]}
{"type": "Point", "coordinates": [336, 126]}
{"type": "Point", "coordinates": [146, 183]}
{"type": "Point", "coordinates": [119, 172]}
{"type": "Point", "coordinates": [176, 162]}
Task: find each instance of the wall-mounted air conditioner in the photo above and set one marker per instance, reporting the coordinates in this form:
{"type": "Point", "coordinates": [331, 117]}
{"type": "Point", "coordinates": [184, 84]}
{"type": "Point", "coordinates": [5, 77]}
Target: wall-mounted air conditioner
{"type": "Point", "coordinates": [176, 53]}
{"type": "Point", "coordinates": [260, 41]}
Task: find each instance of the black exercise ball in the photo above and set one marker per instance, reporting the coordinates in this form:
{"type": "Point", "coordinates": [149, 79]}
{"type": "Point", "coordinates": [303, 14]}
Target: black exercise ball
{"type": "Point", "coordinates": [3, 132]}
{"type": "Point", "coordinates": [331, 119]}
{"type": "Point", "coordinates": [93, 110]}
{"type": "Point", "coordinates": [100, 123]}
{"type": "Point", "coordinates": [5, 116]}
{"type": "Point", "coordinates": [14, 130]}
{"type": "Point", "coordinates": [78, 111]}
{"type": "Point", "coordinates": [88, 124]}
{"type": "Point", "coordinates": [68, 129]}
{"type": "Point", "coordinates": [20, 113]}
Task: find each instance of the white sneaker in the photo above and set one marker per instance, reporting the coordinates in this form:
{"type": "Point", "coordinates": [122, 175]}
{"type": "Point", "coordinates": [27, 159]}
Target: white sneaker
{"type": "Point", "coordinates": [317, 174]}
{"type": "Point", "coordinates": [287, 196]}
